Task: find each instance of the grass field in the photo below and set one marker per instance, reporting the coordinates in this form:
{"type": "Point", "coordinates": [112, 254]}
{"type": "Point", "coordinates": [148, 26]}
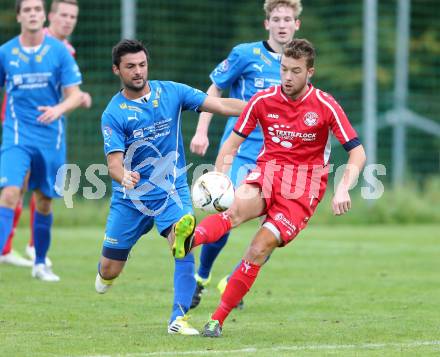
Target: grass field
{"type": "Point", "coordinates": [335, 291]}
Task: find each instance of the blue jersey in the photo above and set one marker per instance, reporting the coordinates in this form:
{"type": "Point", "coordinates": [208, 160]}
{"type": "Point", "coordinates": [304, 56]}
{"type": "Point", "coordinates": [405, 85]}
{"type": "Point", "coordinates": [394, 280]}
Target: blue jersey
{"type": "Point", "coordinates": [249, 68]}
{"type": "Point", "coordinates": [32, 80]}
{"type": "Point", "coordinates": [149, 134]}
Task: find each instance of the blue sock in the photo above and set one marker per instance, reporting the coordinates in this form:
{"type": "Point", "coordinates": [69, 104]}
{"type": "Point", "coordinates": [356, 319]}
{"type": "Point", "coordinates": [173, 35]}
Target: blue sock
{"type": "Point", "coordinates": [6, 222]}
{"type": "Point", "coordinates": [184, 285]}
{"type": "Point", "coordinates": [209, 254]}
{"type": "Point", "coordinates": [42, 226]}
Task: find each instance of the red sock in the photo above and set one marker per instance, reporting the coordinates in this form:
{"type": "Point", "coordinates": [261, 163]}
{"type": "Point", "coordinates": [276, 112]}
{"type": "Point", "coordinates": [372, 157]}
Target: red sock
{"type": "Point", "coordinates": [32, 213]}
{"type": "Point", "coordinates": [17, 213]}
{"type": "Point", "coordinates": [238, 285]}
{"type": "Point", "coordinates": [211, 229]}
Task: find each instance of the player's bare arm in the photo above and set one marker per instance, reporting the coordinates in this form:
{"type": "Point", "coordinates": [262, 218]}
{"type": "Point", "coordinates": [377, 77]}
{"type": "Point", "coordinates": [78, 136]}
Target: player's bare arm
{"type": "Point", "coordinates": [223, 106]}
{"type": "Point", "coordinates": [227, 152]}
{"type": "Point", "coordinates": [72, 100]}
{"type": "Point", "coordinates": [200, 142]}
{"type": "Point", "coordinates": [341, 202]}
{"type": "Point", "coordinates": [115, 164]}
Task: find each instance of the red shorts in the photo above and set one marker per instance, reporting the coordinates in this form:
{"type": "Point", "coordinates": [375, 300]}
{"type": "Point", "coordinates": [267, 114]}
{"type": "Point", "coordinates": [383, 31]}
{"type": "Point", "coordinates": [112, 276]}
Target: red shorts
{"type": "Point", "coordinates": [289, 205]}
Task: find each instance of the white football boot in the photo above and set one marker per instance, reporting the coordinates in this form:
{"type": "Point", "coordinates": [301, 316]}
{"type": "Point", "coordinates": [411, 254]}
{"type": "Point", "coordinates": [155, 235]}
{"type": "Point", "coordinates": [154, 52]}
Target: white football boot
{"type": "Point", "coordinates": [30, 252]}
{"type": "Point", "coordinates": [44, 273]}
{"type": "Point", "coordinates": [102, 285]}
{"type": "Point", "coordinates": [181, 326]}
{"type": "Point", "coordinates": [14, 258]}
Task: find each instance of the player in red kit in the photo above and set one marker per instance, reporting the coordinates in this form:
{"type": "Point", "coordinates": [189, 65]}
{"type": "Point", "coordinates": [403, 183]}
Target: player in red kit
{"type": "Point", "coordinates": [291, 174]}
{"type": "Point", "coordinates": [63, 17]}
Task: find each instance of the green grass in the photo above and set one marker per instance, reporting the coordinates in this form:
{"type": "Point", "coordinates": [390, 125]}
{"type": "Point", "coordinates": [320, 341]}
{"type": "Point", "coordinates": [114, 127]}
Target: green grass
{"type": "Point", "coordinates": [335, 291]}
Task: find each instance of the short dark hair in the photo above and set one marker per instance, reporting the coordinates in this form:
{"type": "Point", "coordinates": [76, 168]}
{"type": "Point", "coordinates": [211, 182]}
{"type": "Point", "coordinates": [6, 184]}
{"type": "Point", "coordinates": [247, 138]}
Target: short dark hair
{"type": "Point", "coordinates": [55, 3]}
{"type": "Point", "coordinates": [127, 46]}
{"type": "Point", "coordinates": [19, 2]}
{"type": "Point", "coordinates": [299, 48]}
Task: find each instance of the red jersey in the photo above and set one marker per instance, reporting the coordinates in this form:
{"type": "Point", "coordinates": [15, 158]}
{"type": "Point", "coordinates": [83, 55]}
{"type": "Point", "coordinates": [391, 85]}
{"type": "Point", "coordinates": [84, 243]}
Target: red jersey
{"type": "Point", "coordinates": [296, 132]}
{"type": "Point", "coordinates": [66, 43]}
{"type": "Point", "coordinates": [69, 47]}
{"type": "Point", "coordinates": [292, 166]}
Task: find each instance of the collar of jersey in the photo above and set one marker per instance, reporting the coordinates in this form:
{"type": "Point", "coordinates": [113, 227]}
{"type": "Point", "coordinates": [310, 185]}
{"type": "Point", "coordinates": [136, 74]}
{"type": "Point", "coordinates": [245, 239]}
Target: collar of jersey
{"type": "Point", "coordinates": [299, 99]}
{"type": "Point", "coordinates": [33, 53]}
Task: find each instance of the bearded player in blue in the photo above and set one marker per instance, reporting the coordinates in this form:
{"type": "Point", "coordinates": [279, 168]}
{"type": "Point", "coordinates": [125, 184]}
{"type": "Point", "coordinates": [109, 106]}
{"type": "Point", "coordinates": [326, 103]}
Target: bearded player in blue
{"type": "Point", "coordinates": [141, 127]}
{"type": "Point", "coordinates": [249, 68]}
{"type": "Point", "coordinates": [42, 83]}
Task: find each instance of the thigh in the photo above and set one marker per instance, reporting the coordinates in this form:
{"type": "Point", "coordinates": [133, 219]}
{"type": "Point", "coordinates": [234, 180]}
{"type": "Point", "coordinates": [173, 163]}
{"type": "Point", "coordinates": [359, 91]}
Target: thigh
{"type": "Point", "coordinates": [288, 217]}
{"type": "Point", "coordinates": [248, 204]}
{"type": "Point", "coordinates": [46, 165]}
{"type": "Point", "coordinates": [177, 204]}
{"type": "Point", "coordinates": [15, 162]}
{"type": "Point", "coordinates": [125, 224]}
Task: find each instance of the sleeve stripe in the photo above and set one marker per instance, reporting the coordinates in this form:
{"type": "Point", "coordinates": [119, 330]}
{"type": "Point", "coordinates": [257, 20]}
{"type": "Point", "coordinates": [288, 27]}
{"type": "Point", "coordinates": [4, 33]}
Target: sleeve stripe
{"type": "Point", "coordinates": [114, 150]}
{"type": "Point", "coordinates": [350, 145]}
{"type": "Point", "coordinates": [252, 105]}
{"type": "Point", "coordinates": [211, 77]}
{"type": "Point", "coordinates": [344, 134]}
{"type": "Point", "coordinates": [72, 84]}
{"type": "Point", "coordinates": [239, 134]}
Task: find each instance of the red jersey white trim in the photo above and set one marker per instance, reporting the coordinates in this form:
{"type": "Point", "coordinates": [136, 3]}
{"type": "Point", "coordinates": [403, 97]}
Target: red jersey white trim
{"type": "Point", "coordinates": [249, 107]}
{"type": "Point", "coordinates": [334, 113]}
{"type": "Point", "coordinates": [66, 43]}
{"type": "Point", "coordinates": [296, 132]}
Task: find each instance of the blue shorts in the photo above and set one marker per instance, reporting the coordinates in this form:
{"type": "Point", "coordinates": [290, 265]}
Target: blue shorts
{"type": "Point", "coordinates": [126, 223]}
{"type": "Point", "coordinates": [16, 161]}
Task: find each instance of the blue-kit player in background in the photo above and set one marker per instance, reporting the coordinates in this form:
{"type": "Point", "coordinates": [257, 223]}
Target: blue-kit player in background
{"type": "Point", "coordinates": [248, 69]}
{"type": "Point", "coordinates": [141, 128]}
{"type": "Point", "coordinates": [42, 80]}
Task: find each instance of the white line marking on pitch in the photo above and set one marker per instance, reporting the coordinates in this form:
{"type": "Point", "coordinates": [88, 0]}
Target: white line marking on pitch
{"type": "Point", "coordinates": [281, 348]}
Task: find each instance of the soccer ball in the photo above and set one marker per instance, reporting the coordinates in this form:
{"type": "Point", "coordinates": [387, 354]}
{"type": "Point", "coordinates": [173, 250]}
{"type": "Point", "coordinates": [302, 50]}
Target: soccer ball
{"type": "Point", "coordinates": [213, 192]}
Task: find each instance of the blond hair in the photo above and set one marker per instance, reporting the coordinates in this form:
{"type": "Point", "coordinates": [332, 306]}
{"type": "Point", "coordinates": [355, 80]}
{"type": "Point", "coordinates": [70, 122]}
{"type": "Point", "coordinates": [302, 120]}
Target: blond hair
{"type": "Point", "coordinates": [55, 3]}
{"type": "Point", "coordinates": [270, 5]}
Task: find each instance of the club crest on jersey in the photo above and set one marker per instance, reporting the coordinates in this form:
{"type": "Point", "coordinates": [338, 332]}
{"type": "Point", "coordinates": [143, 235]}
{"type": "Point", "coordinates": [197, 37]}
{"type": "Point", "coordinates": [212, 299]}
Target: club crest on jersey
{"type": "Point", "coordinates": [139, 133]}
{"type": "Point", "coordinates": [259, 82]}
{"type": "Point", "coordinates": [311, 118]}
{"type": "Point", "coordinates": [107, 133]}
{"type": "Point", "coordinates": [224, 66]}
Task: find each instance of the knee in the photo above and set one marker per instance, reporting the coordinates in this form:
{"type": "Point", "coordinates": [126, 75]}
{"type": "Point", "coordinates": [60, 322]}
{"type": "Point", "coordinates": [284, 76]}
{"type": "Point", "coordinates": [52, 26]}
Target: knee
{"type": "Point", "coordinates": [234, 216]}
{"type": "Point", "coordinates": [258, 253]}
{"type": "Point", "coordinates": [43, 204]}
{"type": "Point", "coordinates": [10, 196]}
{"type": "Point", "coordinates": [109, 271]}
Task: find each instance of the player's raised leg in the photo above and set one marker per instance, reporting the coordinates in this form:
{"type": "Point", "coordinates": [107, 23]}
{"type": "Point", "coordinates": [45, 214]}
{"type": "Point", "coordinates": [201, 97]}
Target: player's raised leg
{"type": "Point", "coordinates": [248, 204]}
{"type": "Point", "coordinates": [242, 279]}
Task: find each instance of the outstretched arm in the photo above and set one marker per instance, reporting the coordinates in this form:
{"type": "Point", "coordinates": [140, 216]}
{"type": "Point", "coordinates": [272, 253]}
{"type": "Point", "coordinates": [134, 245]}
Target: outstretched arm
{"type": "Point", "coordinates": [341, 202]}
{"type": "Point", "coordinates": [223, 106]}
{"type": "Point", "coordinates": [200, 142]}
{"type": "Point", "coordinates": [228, 152]}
